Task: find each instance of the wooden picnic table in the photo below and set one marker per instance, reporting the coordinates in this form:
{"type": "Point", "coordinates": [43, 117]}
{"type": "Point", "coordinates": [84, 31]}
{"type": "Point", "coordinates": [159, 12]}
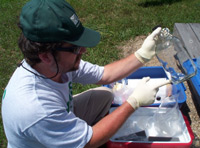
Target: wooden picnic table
{"type": "Point", "coordinates": [189, 34]}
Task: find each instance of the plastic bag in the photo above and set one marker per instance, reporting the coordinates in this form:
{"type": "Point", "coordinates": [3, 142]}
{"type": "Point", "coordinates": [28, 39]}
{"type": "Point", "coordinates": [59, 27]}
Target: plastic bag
{"type": "Point", "coordinates": [121, 91]}
{"type": "Point", "coordinates": [166, 120]}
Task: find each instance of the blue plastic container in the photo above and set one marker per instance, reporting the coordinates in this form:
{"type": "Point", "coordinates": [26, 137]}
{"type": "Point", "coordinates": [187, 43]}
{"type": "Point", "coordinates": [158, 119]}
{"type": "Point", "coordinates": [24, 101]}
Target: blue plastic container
{"type": "Point", "coordinates": [195, 80]}
{"type": "Point", "coordinates": [156, 72]}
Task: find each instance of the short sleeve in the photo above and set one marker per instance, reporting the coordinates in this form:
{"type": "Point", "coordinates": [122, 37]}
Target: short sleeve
{"type": "Point", "coordinates": [61, 130]}
{"type": "Point", "coordinates": [88, 73]}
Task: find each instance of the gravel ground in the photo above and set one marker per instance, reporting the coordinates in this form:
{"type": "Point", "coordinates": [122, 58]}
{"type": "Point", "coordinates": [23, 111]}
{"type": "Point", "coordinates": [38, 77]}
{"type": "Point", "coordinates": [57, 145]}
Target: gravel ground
{"type": "Point", "coordinates": [188, 108]}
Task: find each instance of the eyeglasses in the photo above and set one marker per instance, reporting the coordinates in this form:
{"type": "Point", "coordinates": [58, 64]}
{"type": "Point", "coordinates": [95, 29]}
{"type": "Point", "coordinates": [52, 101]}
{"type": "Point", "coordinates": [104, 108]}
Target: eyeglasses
{"type": "Point", "coordinates": [73, 49]}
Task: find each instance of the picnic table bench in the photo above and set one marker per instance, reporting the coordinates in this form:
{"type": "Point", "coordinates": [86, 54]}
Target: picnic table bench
{"type": "Point", "coordinates": [189, 35]}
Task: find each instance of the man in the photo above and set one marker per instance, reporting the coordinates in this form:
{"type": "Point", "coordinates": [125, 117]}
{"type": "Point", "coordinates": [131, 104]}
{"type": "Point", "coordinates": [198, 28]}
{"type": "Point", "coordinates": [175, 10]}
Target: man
{"type": "Point", "coordinates": [38, 109]}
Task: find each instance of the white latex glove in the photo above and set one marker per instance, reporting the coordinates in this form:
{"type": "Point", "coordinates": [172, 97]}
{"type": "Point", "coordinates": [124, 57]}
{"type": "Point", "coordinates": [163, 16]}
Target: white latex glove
{"type": "Point", "coordinates": [144, 94]}
{"type": "Point", "coordinates": [148, 49]}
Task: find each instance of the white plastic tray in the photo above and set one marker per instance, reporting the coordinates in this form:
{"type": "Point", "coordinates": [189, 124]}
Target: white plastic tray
{"type": "Point", "coordinates": [138, 122]}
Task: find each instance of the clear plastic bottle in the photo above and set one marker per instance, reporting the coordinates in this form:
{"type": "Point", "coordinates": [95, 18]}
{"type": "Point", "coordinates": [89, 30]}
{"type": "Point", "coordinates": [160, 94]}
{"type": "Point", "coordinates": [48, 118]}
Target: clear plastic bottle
{"type": "Point", "coordinates": [170, 52]}
{"type": "Point", "coordinates": [165, 39]}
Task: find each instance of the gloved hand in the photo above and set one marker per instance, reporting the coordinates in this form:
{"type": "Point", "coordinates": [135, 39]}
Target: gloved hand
{"type": "Point", "coordinates": [148, 49]}
{"type": "Point", "coordinates": [144, 94]}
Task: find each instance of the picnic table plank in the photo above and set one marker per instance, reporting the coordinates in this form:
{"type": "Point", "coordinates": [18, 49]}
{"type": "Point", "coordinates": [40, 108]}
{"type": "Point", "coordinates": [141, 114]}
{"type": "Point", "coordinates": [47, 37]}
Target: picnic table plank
{"type": "Point", "coordinates": [196, 29]}
{"type": "Point", "coordinates": [185, 32]}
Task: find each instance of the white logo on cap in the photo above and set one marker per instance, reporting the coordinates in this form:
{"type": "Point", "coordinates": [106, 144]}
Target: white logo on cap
{"type": "Point", "coordinates": [75, 20]}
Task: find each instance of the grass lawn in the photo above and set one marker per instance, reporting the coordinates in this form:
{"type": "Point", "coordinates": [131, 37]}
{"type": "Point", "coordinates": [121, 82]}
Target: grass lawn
{"type": "Point", "coordinates": [116, 20]}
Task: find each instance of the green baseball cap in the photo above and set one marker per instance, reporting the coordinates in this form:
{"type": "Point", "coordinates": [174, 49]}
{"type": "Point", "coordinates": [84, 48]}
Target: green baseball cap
{"type": "Point", "coordinates": [55, 21]}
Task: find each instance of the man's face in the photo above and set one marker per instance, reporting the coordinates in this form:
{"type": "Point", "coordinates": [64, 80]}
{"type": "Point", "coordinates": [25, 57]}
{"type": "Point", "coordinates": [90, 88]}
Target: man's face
{"type": "Point", "coordinates": [69, 61]}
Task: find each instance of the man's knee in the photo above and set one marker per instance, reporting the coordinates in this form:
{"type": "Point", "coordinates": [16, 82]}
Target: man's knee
{"type": "Point", "coordinates": [104, 92]}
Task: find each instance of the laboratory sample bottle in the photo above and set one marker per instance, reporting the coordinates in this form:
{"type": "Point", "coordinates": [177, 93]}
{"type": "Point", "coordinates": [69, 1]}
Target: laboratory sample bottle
{"type": "Point", "coordinates": [173, 56]}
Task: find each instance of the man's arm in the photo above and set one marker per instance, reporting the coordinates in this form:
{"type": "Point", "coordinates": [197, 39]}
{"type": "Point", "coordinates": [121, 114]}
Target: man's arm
{"type": "Point", "coordinates": [105, 128]}
{"type": "Point", "coordinates": [120, 69]}
{"type": "Point", "coordinates": [144, 94]}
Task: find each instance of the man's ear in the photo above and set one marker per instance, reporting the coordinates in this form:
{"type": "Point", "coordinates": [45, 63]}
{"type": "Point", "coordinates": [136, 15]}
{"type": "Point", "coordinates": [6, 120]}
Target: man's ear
{"type": "Point", "coordinates": [46, 58]}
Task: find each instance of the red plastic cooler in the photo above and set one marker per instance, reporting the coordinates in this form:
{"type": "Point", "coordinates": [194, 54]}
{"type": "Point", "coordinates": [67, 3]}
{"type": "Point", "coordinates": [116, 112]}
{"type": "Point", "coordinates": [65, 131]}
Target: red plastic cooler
{"type": "Point", "coordinates": [188, 136]}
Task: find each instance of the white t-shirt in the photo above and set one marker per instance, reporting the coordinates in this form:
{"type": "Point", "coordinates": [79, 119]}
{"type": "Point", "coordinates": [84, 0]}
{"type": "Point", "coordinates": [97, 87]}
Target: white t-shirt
{"type": "Point", "coordinates": [38, 112]}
